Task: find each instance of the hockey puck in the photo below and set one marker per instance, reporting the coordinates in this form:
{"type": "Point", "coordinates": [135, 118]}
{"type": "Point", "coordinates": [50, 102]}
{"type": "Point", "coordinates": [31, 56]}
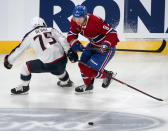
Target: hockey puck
{"type": "Point", "coordinates": [90, 123]}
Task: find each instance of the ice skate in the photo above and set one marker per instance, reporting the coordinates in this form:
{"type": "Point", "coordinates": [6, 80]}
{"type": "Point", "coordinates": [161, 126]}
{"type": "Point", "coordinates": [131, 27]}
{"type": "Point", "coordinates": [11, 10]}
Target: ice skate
{"type": "Point", "coordinates": [108, 79]}
{"type": "Point", "coordinates": [84, 89]}
{"type": "Point", "coordinates": [65, 84]}
{"type": "Point", "coordinates": [20, 90]}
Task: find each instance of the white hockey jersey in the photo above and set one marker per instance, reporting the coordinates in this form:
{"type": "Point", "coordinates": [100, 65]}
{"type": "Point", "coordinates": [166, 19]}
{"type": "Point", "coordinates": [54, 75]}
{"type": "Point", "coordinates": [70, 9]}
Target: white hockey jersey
{"type": "Point", "coordinates": [47, 42]}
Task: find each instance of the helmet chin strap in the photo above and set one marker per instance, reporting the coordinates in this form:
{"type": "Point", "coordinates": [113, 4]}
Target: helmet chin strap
{"type": "Point", "coordinates": [84, 22]}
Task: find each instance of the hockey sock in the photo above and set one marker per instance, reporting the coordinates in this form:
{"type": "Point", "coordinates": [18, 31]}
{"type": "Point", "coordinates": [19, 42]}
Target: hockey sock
{"type": "Point", "coordinates": [25, 75]}
{"type": "Point", "coordinates": [90, 72]}
{"type": "Point", "coordinates": [87, 71]}
{"type": "Point", "coordinates": [64, 77]}
{"type": "Point", "coordinates": [87, 80]}
{"type": "Point", "coordinates": [101, 75]}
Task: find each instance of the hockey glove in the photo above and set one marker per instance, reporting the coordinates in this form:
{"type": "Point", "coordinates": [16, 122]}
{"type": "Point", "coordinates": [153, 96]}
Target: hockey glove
{"type": "Point", "coordinates": [104, 47]}
{"type": "Point", "coordinates": [73, 56]}
{"type": "Point", "coordinates": [77, 47]}
{"type": "Point", "coordinates": [6, 63]}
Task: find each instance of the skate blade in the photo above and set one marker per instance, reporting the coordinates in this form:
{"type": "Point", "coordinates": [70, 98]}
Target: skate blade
{"type": "Point", "coordinates": [85, 92]}
{"type": "Point", "coordinates": [25, 93]}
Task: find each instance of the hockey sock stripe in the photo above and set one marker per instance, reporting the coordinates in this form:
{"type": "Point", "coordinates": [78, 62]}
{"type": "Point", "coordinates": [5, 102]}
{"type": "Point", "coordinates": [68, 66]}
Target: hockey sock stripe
{"type": "Point", "coordinates": [28, 66]}
{"type": "Point", "coordinates": [25, 78]}
{"type": "Point", "coordinates": [99, 75]}
{"type": "Point", "coordinates": [65, 77]}
{"type": "Point", "coordinates": [62, 75]}
{"type": "Point", "coordinates": [84, 77]}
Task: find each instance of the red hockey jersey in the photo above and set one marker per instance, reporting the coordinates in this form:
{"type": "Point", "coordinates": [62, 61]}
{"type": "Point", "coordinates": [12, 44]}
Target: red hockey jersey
{"type": "Point", "coordinates": [96, 30]}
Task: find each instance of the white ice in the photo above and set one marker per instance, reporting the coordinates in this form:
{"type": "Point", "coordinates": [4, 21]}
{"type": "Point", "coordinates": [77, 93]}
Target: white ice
{"type": "Point", "coordinates": [147, 72]}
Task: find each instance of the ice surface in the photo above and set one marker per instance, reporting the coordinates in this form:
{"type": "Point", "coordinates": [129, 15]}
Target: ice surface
{"type": "Point", "coordinates": [47, 106]}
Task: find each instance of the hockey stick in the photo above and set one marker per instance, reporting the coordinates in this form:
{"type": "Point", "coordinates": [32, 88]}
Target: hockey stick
{"type": "Point", "coordinates": [160, 49]}
{"type": "Point", "coordinates": [159, 99]}
{"type": "Point", "coordinates": [137, 89]}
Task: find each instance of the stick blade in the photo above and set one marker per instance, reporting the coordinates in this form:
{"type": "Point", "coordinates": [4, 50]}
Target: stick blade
{"type": "Point", "coordinates": [162, 46]}
{"type": "Point", "coordinates": [159, 50]}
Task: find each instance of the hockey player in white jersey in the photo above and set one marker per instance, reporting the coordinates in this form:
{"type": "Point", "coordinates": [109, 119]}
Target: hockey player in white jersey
{"type": "Point", "coordinates": [52, 50]}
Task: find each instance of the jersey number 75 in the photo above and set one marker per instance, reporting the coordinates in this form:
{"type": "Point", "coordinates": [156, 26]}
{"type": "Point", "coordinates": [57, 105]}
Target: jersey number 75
{"type": "Point", "coordinates": [47, 35]}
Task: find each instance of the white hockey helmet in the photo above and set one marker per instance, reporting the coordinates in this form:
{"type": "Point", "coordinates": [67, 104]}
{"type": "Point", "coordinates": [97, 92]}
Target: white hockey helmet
{"type": "Point", "coordinates": [37, 21]}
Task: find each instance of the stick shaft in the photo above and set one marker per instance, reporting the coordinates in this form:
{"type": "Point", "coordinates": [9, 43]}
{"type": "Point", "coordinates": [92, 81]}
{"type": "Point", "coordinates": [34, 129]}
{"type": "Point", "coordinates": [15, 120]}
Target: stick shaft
{"type": "Point", "coordinates": [137, 89]}
{"type": "Point", "coordinates": [160, 49]}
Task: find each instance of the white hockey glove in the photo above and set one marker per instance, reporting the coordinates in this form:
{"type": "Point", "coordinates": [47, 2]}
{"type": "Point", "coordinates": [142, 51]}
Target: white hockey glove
{"type": "Point", "coordinates": [104, 48]}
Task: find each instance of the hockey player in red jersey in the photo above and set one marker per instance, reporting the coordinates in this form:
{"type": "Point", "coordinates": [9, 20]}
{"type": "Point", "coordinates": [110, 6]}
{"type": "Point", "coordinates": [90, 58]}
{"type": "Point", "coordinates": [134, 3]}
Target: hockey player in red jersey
{"type": "Point", "coordinates": [102, 37]}
{"type": "Point", "coordinates": [51, 48]}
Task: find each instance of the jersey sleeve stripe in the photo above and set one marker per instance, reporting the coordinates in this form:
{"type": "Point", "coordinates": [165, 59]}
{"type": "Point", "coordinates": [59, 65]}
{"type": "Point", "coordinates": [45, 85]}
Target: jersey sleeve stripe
{"type": "Point", "coordinates": [111, 31]}
{"type": "Point", "coordinates": [108, 42]}
{"type": "Point", "coordinates": [98, 38]}
{"type": "Point", "coordinates": [70, 32]}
